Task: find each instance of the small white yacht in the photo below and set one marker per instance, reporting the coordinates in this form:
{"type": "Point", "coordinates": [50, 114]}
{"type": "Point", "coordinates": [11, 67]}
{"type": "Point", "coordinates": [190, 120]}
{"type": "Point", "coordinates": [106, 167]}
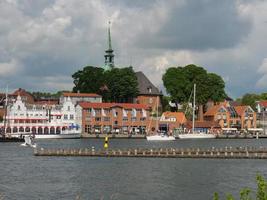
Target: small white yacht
{"type": "Point", "coordinates": [161, 137]}
{"type": "Point", "coordinates": [193, 134]}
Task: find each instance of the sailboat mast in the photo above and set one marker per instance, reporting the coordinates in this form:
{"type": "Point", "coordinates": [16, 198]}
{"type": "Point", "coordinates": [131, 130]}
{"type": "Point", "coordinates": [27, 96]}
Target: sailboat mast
{"type": "Point", "coordinates": [194, 108]}
{"type": "Point", "coordinates": [5, 117]}
{"type": "Point", "coordinates": [157, 125]}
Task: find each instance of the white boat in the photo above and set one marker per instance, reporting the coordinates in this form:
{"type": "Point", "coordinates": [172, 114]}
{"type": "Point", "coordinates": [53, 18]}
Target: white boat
{"type": "Point", "coordinates": [160, 138]}
{"type": "Point", "coordinates": [195, 135]}
{"type": "Point", "coordinates": [29, 142]}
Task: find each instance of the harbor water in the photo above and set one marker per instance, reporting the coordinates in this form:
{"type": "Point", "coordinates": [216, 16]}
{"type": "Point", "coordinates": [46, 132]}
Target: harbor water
{"type": "Point", "coordinates": [24, 176]}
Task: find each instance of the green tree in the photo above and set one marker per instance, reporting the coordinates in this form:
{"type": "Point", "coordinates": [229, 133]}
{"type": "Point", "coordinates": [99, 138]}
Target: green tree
{"type": "Point", "coordinates": [118, 84]}
{"type": "Point", "coordinates": [179, 83]}
{"type": "Point", "coordinates": [122, 84]}
{"type": "Point", "coordinates": [89, 80]}
{"type": "Point", "coordinates": [245, 194]}
{"type": "Point", "coordinates": [250, 100]}
{"type": "Point", "coordinates": [165, 103]}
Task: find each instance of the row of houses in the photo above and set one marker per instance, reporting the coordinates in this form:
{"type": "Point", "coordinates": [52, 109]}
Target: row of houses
{"type": "Point", "coordinates": [136, 118]}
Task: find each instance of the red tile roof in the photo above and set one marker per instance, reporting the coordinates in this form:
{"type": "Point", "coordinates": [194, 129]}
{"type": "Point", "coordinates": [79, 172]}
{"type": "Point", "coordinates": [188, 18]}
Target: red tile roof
{"type": "Point", "coordinates": [72, 94]}
{"type": "Point", "coordinates": [180, 116]}
{"type": "Point", "coordinates": [111, 105]}
{"type": "Point", "coordinates": [263, 103]}
{"type": "Point", "coordinates": [240, 109]}
{"type": "Point", "coordinates": [213, 110]}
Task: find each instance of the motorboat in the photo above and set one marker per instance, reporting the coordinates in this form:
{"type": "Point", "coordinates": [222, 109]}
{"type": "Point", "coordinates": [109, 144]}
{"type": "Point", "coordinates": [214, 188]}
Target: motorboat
{"type": "Point", "coordinates": [29, 141]}
{"type": "Point", "coordinates": [160, 137]}
{"type": "Point", "coordinates": [196, 136]}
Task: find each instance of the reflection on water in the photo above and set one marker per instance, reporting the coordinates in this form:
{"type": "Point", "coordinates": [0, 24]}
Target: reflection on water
{"type": "Point", "coordinates": [23, 176]}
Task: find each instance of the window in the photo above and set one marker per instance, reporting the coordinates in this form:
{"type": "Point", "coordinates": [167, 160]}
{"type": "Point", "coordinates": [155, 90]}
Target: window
{"type": "Point", "coordinates": [106, 119]}
{"type": "Point", "coordinates": [142, 119]}
{"type": "Point", "coordinates": [18, 107]}
{"type": "Point", "coordinates": [71, 116]}
{"type": "Point", "coordinates": [65, 116]}
{"type": "Point", "coordinates": [87, 128]}
{"type": "Point", "coordinates": [133, 119]}
{"type": "Point", "coordinates": [116, 122]}
{"type": "Point", "coordinates": [125, 119]}
{"type": "Point", "coordinates": [98, 119]}
{"type": "Point", "coordinates": [68, 108]}
{"type": "Point", "coordinates": [97, 111]}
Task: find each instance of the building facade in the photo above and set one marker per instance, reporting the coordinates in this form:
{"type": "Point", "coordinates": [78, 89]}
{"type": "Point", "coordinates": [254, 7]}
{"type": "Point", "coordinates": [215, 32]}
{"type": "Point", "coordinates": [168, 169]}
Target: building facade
{"type": "Point", "coordinates": [41, 118]}
{"type": "Point", "coordinates": [115, 118]}
{"type": "Point", "coordinates": [148, 94]}
{"type": "Point", "coordinates": [172, 121]}
{"type": "Point", "coordinates": [239, 117]}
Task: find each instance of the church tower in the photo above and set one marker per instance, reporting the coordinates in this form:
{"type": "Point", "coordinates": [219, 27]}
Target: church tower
{"type": "Point", "coordinates": [109, 56]}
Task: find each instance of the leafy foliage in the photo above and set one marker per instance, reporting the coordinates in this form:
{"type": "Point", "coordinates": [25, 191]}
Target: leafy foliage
{"type": "Point", "coordinates": [118, 84]}
{"type": "Point", "coordinates": [179, 83]}
{"type": "Point", "coordinates": [245, 194]}
{"type": "Point", "coordinates": [88, 80]}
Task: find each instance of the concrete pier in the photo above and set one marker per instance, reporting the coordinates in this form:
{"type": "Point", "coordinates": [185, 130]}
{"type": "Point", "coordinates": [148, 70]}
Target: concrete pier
{"type": "Point", "coordinates": [222, 153]}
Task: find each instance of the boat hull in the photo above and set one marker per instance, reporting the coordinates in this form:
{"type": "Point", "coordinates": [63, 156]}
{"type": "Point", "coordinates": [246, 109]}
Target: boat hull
{"type": "Point", "coordinates": [196, 136]}
{"type": "Point", "coordinates": [160, 138]}
{"type": "Point", "coordinates": [58, 136]}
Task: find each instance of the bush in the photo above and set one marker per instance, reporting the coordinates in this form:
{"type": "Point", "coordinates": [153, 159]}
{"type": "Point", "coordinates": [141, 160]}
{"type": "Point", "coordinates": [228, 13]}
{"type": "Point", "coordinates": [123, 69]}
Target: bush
{"type": "Point", "coordinates": [245, 194]}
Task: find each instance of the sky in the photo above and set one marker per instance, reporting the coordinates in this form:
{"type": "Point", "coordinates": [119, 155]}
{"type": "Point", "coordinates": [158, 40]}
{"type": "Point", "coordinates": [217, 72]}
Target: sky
{"type": "Point", "coordinates": [42, 43]}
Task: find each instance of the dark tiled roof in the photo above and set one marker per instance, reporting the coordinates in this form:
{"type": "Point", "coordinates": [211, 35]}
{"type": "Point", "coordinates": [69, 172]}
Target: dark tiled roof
{"type": "Point", "coordinates": [144, 84]}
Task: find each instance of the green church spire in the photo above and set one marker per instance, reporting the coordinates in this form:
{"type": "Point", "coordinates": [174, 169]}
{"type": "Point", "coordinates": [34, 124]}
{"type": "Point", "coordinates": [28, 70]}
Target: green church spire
{"type": "Point", "coordinates": [109, 56]}
{"type": "Point", "coordinates": [109, 37]}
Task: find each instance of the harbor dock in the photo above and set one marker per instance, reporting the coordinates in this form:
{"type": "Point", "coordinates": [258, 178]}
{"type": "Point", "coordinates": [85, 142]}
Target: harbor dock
{"type": "Point", "coordinates": [214, 153]}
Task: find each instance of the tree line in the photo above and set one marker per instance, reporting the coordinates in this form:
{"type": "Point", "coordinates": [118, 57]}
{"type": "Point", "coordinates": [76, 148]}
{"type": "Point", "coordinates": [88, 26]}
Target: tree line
{"type": "Point", "coordinates": [120, 85]}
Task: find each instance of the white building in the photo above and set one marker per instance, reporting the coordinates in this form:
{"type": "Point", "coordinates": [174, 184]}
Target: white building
{"type": "Point", "coordinates": [42, 118]}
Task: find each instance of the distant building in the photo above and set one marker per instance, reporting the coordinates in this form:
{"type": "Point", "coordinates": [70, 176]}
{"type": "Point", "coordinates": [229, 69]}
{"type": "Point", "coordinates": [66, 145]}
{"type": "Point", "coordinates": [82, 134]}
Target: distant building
{"type": "Point", "coordinates": [170, 121]}
{"type": "Point", "coordinates": [80, 97]}
{"type": "Point", "coordinates": [115, 118]}
{"type": "Point", "coordinates": [228, 116]}
{"type": "Point", "coordinates": [204, 126]}
{"type": "Point", "coordinates": [148, 93]}
{"type": "Point", "coordinates": [49, 118]}
{"type": "Point", "coordinates": [25, 96]}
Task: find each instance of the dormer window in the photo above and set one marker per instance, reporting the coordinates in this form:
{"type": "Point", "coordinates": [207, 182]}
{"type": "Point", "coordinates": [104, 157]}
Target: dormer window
{"type": "Point", "coordinates": [149, 89]}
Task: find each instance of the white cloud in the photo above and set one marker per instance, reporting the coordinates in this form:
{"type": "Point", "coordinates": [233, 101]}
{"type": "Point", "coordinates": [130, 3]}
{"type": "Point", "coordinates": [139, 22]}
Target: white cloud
{"type": "Point", "coordinates": [60, 37]}
{"type": "Point", "coordinates": [9, 69]}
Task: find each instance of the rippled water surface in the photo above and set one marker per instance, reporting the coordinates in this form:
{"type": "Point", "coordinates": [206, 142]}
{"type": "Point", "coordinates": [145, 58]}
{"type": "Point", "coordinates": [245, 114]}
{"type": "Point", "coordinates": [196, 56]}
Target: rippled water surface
{"type": "Point", "coordinates": [23, 176]}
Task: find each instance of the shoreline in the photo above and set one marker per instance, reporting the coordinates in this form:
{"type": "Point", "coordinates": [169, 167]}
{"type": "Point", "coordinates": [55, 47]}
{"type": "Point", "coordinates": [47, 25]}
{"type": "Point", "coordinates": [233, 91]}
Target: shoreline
{"type": "Point", "coordinates": [124, 136]}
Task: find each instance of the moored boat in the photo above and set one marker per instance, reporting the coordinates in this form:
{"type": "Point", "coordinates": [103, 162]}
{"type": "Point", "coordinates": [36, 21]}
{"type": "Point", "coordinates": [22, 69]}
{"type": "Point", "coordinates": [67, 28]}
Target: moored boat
{"type": "Point", "coordinates": [161, 137]}
{"type": "Point", "coordinates": [193, 134]}
{"type": "Point", "coordinates": [196, 136]}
